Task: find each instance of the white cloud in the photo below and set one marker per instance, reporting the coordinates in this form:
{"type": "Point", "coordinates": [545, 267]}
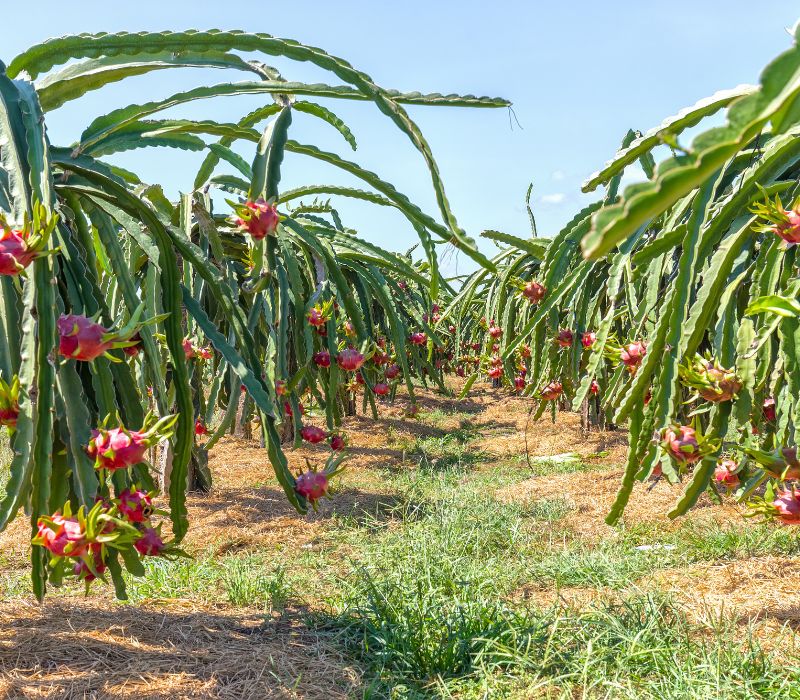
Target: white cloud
{"type": "Point", "coordinates": [555, 198]}
{"type": "Point", "coordinates": [558, 175]}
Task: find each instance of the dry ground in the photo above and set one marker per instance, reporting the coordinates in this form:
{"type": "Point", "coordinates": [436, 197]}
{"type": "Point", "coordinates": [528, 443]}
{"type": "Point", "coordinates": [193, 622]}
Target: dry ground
{"type": "Point", "coordinates": [73, 647]}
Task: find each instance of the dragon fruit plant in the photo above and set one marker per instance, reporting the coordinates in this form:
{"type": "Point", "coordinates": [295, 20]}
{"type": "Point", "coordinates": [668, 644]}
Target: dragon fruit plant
{"type": "Point", "coordinates": [243, 278]}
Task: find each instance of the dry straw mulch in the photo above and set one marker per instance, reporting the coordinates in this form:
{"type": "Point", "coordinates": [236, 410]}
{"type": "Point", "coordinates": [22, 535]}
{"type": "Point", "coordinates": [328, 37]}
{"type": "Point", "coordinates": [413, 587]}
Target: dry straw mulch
{"type": "Point", "coordinates": [91, 649]}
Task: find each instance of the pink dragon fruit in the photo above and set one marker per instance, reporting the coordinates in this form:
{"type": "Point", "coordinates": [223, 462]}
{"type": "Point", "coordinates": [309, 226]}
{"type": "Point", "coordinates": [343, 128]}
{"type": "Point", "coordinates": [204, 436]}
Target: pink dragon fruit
{"type": "Point", "coordinates": [136, 506]}
{"type": "Point", "coordinates": [725, 474]}
{"type": "Point", "coordinates": [632, 354]}
{"type": "Point", "coordinates": [552, 391]}
{"type": "Point", "coordinates": [588, 339]}
{"type": "Point", "coordinates": [150, 543]}
{"type": "Point", "coordinates": [64, 538]}
{"type": "Point", "coordinates": [681, 443]}
{"type": "Point", "coordinates": [381, 388]}
{"type": "Point", "coordinates": [260, 219]}
{"type": "Point", "coordinates": [312, 486]}
{"type": "Point", "coordinates": [495, 331]}
{"type": "Point", "coordinates": [787, 506]}
{"type": "Point", "coordinates": [519, 383]}
{"type": "Point", "coordinates": [316, 317]}
{"type": "Point", "coordinates": [789, 228]}
{"type": "Point", "coordinates": [350, 359]}
{"type": "Point", "coordinates": [117, 448]}
{"type": "Point", "coordinates": [313, 434]}
{"type": "Point", "coordinates": [200, 428]}
{"type": "Point", "coordinates": [82, 339]}
{"type": "Point", "coordinates": [287, 407]}
{"type": "Point", "coordinates": [418, 338]}
{"type": "Point", "coordinates": [768, 410]}
{"type": "Point", "coordinates": [534, 292]}
{"type": "Point", "coordinates": [15, 253]}
{"type": "Point", "coordinates": [564, 338]}
{"type": "Point", "coordinates": [594, 387]}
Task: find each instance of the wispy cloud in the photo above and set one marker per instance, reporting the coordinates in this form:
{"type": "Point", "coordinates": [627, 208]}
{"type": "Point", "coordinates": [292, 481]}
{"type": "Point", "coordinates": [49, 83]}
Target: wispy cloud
{"type": "Point", "coordinates": [555, 198]}
{"type": "Point", "coordinates": [558, 175]}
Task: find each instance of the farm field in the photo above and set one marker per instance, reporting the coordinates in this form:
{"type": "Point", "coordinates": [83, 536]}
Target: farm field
{"type": "Point", "coordinates": [446, 565]}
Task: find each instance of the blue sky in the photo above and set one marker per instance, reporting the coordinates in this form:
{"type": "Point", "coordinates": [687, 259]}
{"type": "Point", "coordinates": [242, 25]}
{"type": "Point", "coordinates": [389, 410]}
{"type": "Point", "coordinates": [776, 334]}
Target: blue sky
{"type": "Point", "coordinates": [579, 73]}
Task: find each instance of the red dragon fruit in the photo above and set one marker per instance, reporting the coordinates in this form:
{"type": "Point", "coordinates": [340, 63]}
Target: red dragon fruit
{"type": "Point", "coordinates": [552, 391]}
{"type": "Point", "coordinates": [338, 442]}
{"type": "Point", "coordinates": [588, 339]}
{"type": "Point", "coordinates": [133, 350]}
{"type": "Point", "coordinates": [632, 354]}
{"type": "Point", "coordinates": [136, 506]}
{"type": "Point", "coordinates": [495, 331]}
{"type": "Point", "coordinates": [350, 359]}
{"type": "Point", "coordinates": [316, 317]}
{"type": "Point", "coordinates": [381, 388]}
{"type": "Point", "coordinates": [62, 537]}
{"type": "Point", "coordinates": [259, 218]}
{"type": "Point", "coordinates": [534, 292]}
{"type": "Point", "coordinates": [594, 387]}
{"type": "Point", "coordinates": [119, 448]}
{"type": "Point", "coordinates": [787, 506]}
{"type": "Point", "coordinates": [9, 403]}
{"type": "Point", "coordinates": [200, 428]}
{"type": "Point", "coordinates": [711, 380]}
{"type": "Point", "coordinates": [150, 543]}
{"type": "Point", "coordinates": [519, 383]}
{"type": "Point", "coordinates": [564, 338]}
{"type": "Point", "coordinates": [392, 371]}
{"type": "Point", "coordinates": [418, 338]}
{"type": "Point", "coordinates": [495, 372]}
{"type": "Point", "coordinates": [287, 407]}
{"type": "Point", "coordinates": [313, 434]}
{"type": "Point", "coordinates": [322, 358]}
{"type": "Point", "coordinates": [725, 474]}
{"type": "Point", "coordinates": [768, 410]}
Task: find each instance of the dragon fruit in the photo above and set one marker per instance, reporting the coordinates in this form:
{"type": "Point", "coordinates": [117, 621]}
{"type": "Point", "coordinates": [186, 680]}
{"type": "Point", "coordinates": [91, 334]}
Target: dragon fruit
{"type": "Point", "coordinates": [85, 572]}
{"type": "Point", "coordinates": [313, 434]}
{"type": "Point", "coordinates": [768, 410]}
{"type": "Point", "coordinates": [594, 387]}
{"type": "Point", "coordinates": [312, 485]}
{"type": "Point", "coordinates": [260, 219]}
{"type": "Point", "coordinates": [519, 383]}
{"type": "Point", "coordinates": [350, 359]}
{"type": "Point", "coordinates": [200, 428]}
{"type": "Point", "coordinates": [133, 350]}
{"type": "Point", "coordinates": [322, 358]}
{"type": "Point", "coordinates": [787, 506]}
{"type": "Point", "coordinates": [392, 371]}
{"type": "Point", "coordinates": [62, 537]}
{"type": "Point", "coordinates": [150, 543]}
{"type": "Point", "coordinates": [534, 292]}
{"type": "Point", "coordinates": [781, 463]}
{"type": "Point", "coordinates": [9, 403]}
{"type": "Point", "coordinates": [495, 331]}
{"type": "Point", "coordinates": [681, 443]}
{"type": "Point", "coordinates": [418, 338]}
{"type": "Point", "coordinates": [564, 338]}
{"type": "Point", "coordinates": [338, 442]}
{"type": "Point", "coordinates": [632, 354]}
{"type": "Point", "coordinates": [136, 506]}
{"type": "Point", "coordinates": [725, 474]}
{"type": "Point", "coordinates": [381, 388]}
{"type": "Point", "coordinates": [525, 351]}
{"type": "Point", "coordinates": [18, 249]}
{"type": "Point", "coordinates": [83, 339]}
{"type": "Point", "coordinates": [495, 372]}
{"type": "Point", "coordinates": [316, 317]}
{"type": "Point", "coordinates": [552, 391]}
{"type": "Point", "coordinates": [588, 339]}
{"type": "Point", "coordinates": [119, 448]}
{"type": "Point", "coordinates": [712, 382]}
